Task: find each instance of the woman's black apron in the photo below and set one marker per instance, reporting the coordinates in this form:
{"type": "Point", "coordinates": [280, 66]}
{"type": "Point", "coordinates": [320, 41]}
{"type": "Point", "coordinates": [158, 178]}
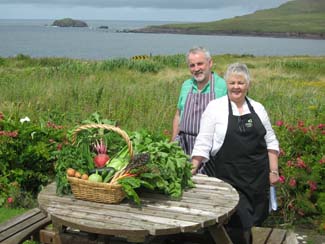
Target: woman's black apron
{"type": "Point", "coordinates": [190, 123]}
{"type": "Point", "coordinates": [243, 162]}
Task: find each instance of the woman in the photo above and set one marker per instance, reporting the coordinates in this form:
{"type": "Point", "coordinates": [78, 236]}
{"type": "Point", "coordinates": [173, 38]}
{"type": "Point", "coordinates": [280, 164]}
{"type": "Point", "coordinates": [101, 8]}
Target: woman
{"type": "Point", "coordinates": [237, 144]}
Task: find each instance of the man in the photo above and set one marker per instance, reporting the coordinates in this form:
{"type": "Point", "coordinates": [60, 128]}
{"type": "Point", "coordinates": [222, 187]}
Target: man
{"type": "Point", "coordinates": [195, 95]}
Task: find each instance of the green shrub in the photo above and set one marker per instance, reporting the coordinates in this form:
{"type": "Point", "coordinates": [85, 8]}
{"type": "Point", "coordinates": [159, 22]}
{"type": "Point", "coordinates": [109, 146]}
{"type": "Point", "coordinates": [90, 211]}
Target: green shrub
{"type": "Point", "coordinates": [26, 159]}
{"type": "Point", "coordinates": [302, 173]}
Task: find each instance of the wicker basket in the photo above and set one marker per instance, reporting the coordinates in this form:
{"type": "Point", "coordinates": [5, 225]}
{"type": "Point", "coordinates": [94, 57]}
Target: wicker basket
{"type": "Point", "coordinates": [94, 191]}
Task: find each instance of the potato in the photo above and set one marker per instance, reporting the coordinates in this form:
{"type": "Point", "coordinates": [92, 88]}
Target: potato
{"type": "Point", "coordinates": [71, 172]}
{"type": "Point", "coordinates": [84, 177]}
{"type": "Point", "coordinates": [77, 174]}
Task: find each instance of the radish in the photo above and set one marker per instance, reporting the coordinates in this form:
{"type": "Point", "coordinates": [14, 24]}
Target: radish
{"type": "Point", "coordinates": [102, 157]}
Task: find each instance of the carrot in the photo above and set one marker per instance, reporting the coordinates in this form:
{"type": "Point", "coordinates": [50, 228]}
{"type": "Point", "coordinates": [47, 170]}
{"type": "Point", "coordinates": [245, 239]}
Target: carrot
{"type": "Point", "coordinates": [123, 176]}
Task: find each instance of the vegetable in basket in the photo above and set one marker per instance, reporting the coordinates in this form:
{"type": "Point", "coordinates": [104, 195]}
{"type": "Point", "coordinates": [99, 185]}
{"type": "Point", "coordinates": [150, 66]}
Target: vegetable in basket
{"type": "Point", "coordinates": [95, 177]}
{"type": "Point", "coordinates": [102, 157]}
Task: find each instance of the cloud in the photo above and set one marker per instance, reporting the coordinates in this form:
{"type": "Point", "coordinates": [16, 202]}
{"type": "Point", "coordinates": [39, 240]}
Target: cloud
{"type": "Point", "coordinates": [165, 10]}
{"type": "Point", "coordinates": [160, 4]}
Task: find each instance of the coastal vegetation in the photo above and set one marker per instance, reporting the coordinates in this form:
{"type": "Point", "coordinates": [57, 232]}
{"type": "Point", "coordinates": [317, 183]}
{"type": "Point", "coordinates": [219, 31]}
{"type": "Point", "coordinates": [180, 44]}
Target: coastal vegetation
{"type": "Point", "coordinates": [298, 18]}
{"type": "Point", "coordinates": [42, 98]}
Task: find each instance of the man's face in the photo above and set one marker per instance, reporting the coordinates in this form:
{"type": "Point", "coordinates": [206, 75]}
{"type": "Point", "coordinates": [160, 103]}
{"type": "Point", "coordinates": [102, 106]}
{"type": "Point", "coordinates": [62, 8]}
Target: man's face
{"type": "Point", "coordinates": [200, 66]}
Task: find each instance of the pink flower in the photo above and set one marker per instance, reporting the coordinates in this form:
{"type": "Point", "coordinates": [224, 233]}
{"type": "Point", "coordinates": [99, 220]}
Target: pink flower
{"type": "Point", "coordinates": [292, 182]}
{"type": "Point", "coordinates": [13, 133]}
{"type": "Point", "coordinates": [59, 147]}
{"type": "Point", "coordinates": [279, 123]}
{"type": "Point", "coordinates": [322, 161]}
{"type": "Point", "coordinates": [312, 185]}
{"type": "Point", "coordinates": [321, 126]}
{"type": "Point", "coordinates": [301, 164]}
{"type": "Point", "coordinates": [301, 123]}
{"type": "Point", "coordinates": [10, 200]}
{"type": "Point", "coordinates": [304, 130]}
{"type": "Point", "coordinates": [290, 163]}
{"type": "Point", "coordinates": [282, 179]}
{"type": "Point", "coordinates": [311, 128]}
{"type": "Point", "coordinates": [290, 128]}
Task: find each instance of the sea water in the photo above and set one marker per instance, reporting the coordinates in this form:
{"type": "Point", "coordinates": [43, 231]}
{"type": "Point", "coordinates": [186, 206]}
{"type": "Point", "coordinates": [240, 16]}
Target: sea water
{"type": "Point", "coordinates": [37, 38]}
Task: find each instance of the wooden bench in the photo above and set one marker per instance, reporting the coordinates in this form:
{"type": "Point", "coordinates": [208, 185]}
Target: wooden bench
{"type": "Point", "coordinates": [260, 236]}
{"type": "Point", "coordinates": [273, 236]}
{"type": "Point", "coordinates": [22, 227]}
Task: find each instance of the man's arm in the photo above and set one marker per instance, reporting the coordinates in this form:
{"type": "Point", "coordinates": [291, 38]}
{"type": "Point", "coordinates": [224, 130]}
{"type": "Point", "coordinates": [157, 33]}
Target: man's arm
{"type": "Point", "coordinates": [175, 125]}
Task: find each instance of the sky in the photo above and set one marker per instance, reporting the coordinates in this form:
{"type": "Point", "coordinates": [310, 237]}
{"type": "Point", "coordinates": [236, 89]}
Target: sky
{"type": "Point", "coordinates": [155, 10]}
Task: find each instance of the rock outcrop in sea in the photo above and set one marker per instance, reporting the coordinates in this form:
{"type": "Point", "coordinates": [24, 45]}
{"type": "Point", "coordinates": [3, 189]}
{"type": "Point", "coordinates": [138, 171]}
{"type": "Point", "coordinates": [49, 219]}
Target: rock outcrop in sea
{"type": "Point", "coordinates": [68, 22]}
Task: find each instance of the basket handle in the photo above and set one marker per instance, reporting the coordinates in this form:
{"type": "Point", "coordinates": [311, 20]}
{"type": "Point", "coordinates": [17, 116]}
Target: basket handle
{"type": "Point", "coordinates": [107, 127]}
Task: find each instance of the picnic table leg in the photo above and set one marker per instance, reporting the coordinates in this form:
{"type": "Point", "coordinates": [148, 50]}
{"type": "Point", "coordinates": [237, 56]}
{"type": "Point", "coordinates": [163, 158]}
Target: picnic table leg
{"type": "Point", "coordinates": [219, 234]}
{"type": "Point", "coordinates": [57, 228]}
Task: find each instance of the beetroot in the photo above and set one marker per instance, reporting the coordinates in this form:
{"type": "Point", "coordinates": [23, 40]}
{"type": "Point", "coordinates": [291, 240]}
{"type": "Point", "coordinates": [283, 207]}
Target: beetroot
{"type": "Point", "coordinates": [102, 157]}
{"type": "Point", "coordinates": [100, 160]}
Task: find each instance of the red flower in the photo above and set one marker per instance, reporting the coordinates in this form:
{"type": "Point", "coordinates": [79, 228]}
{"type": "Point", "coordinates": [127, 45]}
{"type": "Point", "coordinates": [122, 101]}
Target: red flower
{"type": "Point", "coordinates": [53, 125]}
{"type": "Point", "coordinates": [290, 163]}
{"type": "Point", "coordinates": [10, 200]}
{"type": "Point", "coordinates": [9, 133]}
{"type": "Point", "coordinates": [279, 123]}
{"type": "Point", "coordinates": [292, 182]}
{"type": "Point", "coordinates": [59, 147]}
{"type": "Point", "coordinates": [322, 161]}
{"type": "Point", "coordinates": [321, 126]}
{"type": "Point", "coordinates": [312, 185]}
{"type": "Point", "coordinates": [304, 130]}
{"type": "Point", "coordinates": [301, 123]}
{"type": "Point", "coordinates": [282, 179]}
{"type": "Point", "coordinates": [290, 128]}
{"type": "Point", "coordinates": [301, 164]}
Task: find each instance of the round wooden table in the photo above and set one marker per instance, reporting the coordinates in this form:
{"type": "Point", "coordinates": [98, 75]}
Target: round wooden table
{"type": "Point", "coordinates": [209, 204]}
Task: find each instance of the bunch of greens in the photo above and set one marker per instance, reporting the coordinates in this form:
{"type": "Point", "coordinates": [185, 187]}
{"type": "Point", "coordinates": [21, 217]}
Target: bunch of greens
{"type": "Point", "coordinates": [169, 169]}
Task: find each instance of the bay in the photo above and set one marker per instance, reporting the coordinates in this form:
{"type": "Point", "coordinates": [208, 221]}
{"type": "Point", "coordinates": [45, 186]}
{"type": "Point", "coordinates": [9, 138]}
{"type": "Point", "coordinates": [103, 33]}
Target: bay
{"type": "Point", "coordinates": [37, 38]}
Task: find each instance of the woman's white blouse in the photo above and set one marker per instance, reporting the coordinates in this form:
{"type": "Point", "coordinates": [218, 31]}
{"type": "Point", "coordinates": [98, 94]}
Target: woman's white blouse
{"type": "Point", "coordinates": [214, 123]}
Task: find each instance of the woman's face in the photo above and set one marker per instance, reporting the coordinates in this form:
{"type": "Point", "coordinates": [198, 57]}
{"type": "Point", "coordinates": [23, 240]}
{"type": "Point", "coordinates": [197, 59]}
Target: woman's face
{"type": "Point", "coordinates": [237, 88]}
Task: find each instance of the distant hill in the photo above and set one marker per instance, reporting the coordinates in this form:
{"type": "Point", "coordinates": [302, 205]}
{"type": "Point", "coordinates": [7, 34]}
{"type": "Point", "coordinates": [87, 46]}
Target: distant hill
{"type": "Point", "coordinates": [299, 18]}
{"type": "Point", "coordinates": [68, 22]}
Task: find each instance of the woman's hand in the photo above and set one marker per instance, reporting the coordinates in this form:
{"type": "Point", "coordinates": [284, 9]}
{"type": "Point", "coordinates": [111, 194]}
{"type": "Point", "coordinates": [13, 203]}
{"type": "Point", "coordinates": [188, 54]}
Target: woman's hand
{"type": "Point", "coordinates": [196, 162]}
{"type": "Point", "coordinates": [274, 172]}
{"type": "Point", "coordinates": [274, 177]}
{"type": "Point", "coordinates": [194, 170]}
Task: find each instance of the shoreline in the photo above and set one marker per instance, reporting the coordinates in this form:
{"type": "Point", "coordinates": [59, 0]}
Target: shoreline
{"type": "Point", "coordinates": [294, 35]}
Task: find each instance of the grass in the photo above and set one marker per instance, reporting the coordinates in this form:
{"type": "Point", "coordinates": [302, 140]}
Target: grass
{"type": "Point", "coordinates": [299, 16]}
{"type": "Point", "coordinates": [8, 213]}
{"type": "Point", "coordinates": [143, 94]}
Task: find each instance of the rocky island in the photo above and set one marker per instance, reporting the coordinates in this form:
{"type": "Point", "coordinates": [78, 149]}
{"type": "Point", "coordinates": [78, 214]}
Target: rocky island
{"type": "Point", "coordinates": [68, 22]}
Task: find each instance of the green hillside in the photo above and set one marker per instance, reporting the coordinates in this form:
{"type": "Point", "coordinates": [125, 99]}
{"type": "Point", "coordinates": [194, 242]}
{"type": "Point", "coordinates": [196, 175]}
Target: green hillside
{"type": "Point", "coordinates": [300, 18]}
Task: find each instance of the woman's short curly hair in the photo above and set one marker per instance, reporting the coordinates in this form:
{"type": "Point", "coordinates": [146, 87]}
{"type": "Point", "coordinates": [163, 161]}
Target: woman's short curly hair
{"type": "Point", "coordinates": [238, 69]}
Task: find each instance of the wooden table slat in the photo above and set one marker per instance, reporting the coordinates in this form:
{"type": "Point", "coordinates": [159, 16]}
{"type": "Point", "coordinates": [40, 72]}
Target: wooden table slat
{"type": "Point", "coordinates": [209, 204]}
